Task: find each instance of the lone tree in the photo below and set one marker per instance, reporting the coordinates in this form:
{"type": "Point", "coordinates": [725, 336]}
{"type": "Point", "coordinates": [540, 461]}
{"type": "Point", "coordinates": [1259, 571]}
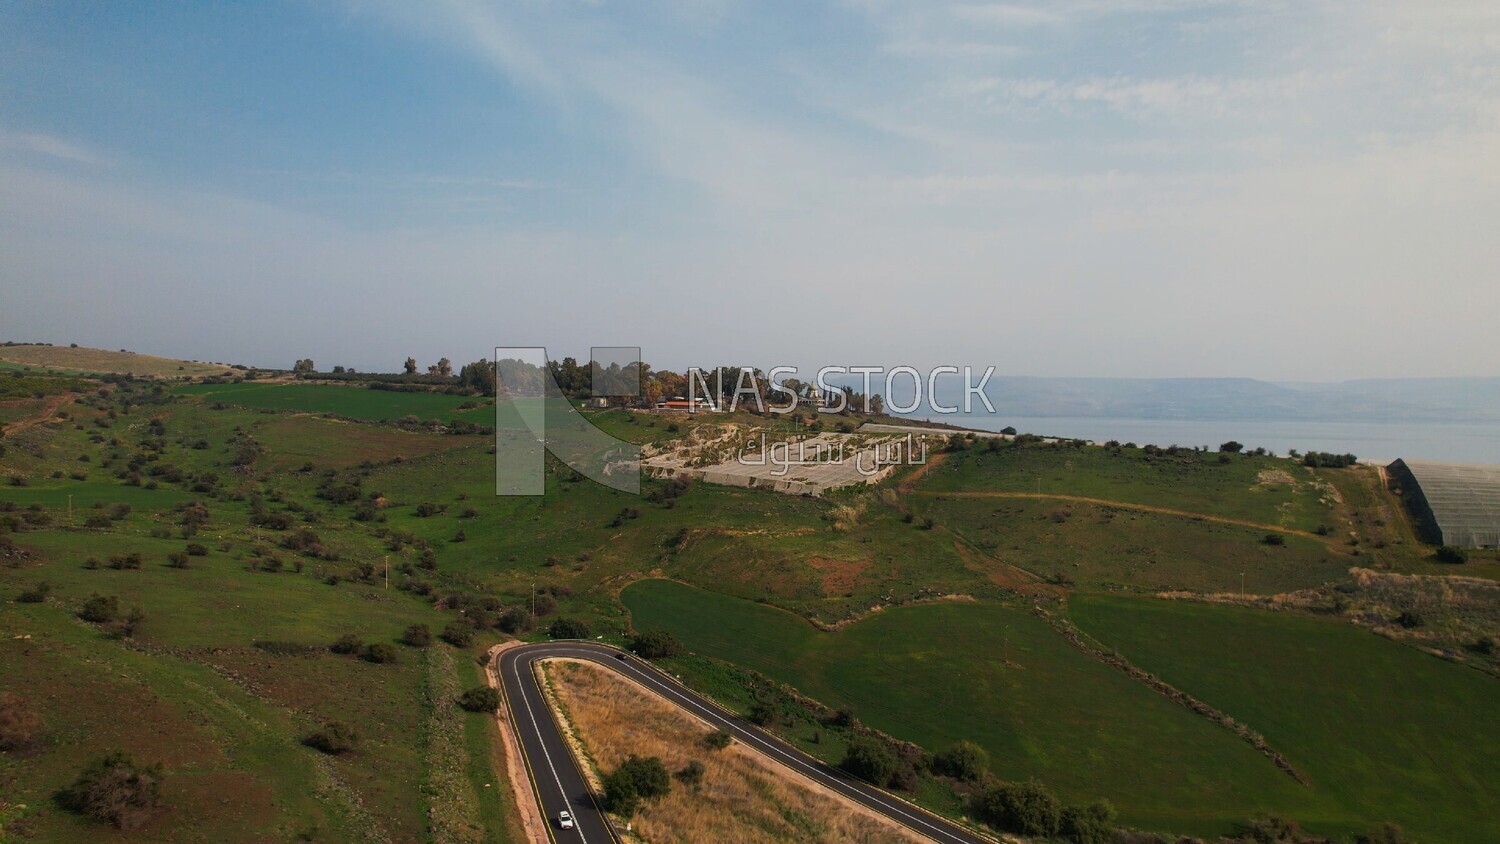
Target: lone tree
{"type": "Point", "coordinates": [115, 790]}
{"type": "Point", "coordinates": [304, 366]}
{"type": "Point", "coordinates": [411, 366]}
{"type": "Point", "coordinates": [634, 782]}
{"type": "Point", "coordinates": [1232, 447]}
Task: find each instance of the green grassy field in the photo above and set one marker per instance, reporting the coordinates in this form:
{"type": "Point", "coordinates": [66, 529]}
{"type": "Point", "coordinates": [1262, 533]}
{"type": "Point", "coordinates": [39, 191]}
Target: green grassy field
{"type": "Point", "coordinates": [351, 401]}
{"type": "Point", "coordinates": [1041, 708]}
{"type": "Point", "coordinates": [1384, 732]}
{"type": "Point", "coordinates": [1256, 489]}
{"type": "Point", "coordinates": [1098, 546]}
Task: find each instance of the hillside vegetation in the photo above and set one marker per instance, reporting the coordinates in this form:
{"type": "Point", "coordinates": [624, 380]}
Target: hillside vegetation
{"type": "Point", "coordinates": [261, 551]}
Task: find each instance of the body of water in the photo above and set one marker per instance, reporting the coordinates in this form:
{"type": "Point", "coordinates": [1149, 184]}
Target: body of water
{"type": "Point", "coordinates": [1370, 441]}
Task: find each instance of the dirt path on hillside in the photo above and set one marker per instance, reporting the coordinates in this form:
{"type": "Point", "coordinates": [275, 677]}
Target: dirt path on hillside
{"type": "Point", "coordinates": [909, 482]}
{"type": "Point", "coordinates": [1005, 575]}
{"type": "Point", "coordinates": [48, 410]}
{"type": "Point", "coordinates": [1144, 508]}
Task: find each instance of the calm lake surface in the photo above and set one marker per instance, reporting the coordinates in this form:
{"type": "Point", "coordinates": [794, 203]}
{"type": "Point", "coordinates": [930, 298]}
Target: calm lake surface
{"type": "Point", "coordinates": [1371, 441]}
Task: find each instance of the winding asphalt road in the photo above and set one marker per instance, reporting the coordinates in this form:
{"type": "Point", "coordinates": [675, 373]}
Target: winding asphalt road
{"type": "Point", "coordinates": [559, 785]}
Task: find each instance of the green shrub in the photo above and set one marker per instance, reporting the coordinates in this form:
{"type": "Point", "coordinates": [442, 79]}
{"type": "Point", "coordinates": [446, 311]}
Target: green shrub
{"type": "Point", "coordinates": [480, 699]}
{"type": "Point", "coordinates": [516, 620]}
{"type": "Point", "coordinates": [656, 644]}
{"type": "Point", "coordinates": [459, 634]}
{"type": "Point", "coordinates": [691, 774]}
{"type": "Point", "coordinates": [347, 644]}
{"type": "Point", "coordinates": [763, 713]}
{"type": "Point", "coordinates": [379, 653]}
{"type": "Point", "coordinates": [417, 635]}
{"type": "Point", "coordinates": [100, 609]}
{"type": "Point", "coordinates": [1091, 824]}
{"type": "Point", "coordinates": [1451, 554]}
{"type": "Point", "coordinates": [1022, 808]}
{"type": "Point", "coordinates": [115, 790]}
{"type": "Point", "coordinates": [870, 760]}
{"type": "Point", "coordinates": [634, 782]}
{"type": "Point", "coordinates": [335, 738]}
{"type": "Point", "coordinates": [1274, 539]}
{"type": "Point", "coordinates": [568, 628]}
{"type": "Point", "coordinates": [36, 594]}
{"type": "Point", "coordinates": [963, 761]}
{"type": "Point", "coordinates": [177, 560]}
{"type": "Point", "coordinates": [717, 740]}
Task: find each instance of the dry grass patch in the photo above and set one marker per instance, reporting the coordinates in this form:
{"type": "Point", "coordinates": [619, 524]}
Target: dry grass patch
{"type": "Point", "coordinates": [104, 361]}
{"type": "Point", "coordinates": [742, 798]}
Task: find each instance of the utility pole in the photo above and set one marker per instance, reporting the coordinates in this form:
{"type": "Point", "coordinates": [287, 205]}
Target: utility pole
{"type": "Point", "coordinates": [388, 571]}
{"type": "Point", "coordinates": [533, 600]}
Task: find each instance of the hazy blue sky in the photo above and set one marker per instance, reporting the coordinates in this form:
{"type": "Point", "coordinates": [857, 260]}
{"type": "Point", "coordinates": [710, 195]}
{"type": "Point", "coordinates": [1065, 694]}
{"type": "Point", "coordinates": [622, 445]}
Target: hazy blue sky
{"type": "Point", "coordinates": [1284, 190]}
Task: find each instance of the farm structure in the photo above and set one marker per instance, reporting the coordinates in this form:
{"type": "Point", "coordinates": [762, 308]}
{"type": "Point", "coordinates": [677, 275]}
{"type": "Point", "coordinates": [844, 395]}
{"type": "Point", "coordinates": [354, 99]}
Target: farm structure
{"type": "Point", "coordinates": [1453, 503]}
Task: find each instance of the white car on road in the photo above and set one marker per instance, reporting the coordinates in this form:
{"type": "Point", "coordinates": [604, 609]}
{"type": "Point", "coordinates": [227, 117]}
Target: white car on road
{"type": "Point", "coordinates": [564, 820]}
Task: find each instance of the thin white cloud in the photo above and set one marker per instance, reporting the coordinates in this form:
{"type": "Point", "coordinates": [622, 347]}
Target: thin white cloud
{"type": "Point", "coordinates": [49, 146]}
{"type": "Point", "coordinates": [1008, 14]}
{"type": "Point", "coordinates": [1169, 96]}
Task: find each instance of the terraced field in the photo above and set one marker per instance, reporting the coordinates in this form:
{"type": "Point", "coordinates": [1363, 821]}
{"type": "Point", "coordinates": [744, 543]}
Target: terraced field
{"type": "Point", "coordinates": [1383, 731]}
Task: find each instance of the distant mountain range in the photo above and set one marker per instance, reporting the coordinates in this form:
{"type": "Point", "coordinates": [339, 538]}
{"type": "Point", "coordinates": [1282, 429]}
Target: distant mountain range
{"type": "Point", "coordinates": [1371, 400]}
